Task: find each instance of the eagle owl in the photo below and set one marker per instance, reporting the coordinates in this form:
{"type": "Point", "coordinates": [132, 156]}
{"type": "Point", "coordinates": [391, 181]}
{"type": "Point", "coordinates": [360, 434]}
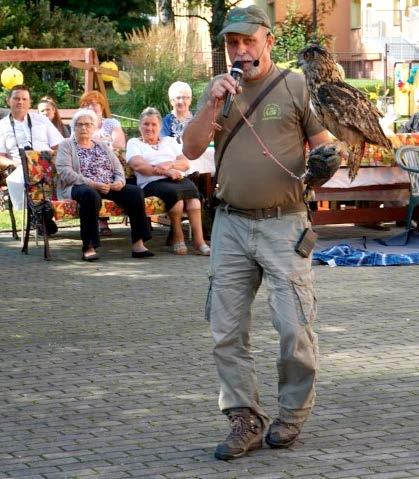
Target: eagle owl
{"type": "Point", "coordinates": [342, 109]}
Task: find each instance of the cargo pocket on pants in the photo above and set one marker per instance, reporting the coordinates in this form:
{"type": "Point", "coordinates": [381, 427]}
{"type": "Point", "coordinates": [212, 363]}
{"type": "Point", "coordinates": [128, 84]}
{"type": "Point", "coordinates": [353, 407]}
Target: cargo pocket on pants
{"type": "Point", "coordinates": [302, 284]}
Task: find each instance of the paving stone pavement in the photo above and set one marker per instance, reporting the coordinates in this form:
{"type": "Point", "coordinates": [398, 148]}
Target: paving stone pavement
{"type": "Point", "coordinates": [107, 371]}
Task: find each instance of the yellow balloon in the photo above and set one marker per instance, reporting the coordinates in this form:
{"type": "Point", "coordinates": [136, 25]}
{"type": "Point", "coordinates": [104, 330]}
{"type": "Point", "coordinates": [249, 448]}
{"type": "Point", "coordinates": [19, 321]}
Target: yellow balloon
{"type": "Point", "coordinates": [110, 66]}
{"type": "Point", "coordinates": [10, 77]}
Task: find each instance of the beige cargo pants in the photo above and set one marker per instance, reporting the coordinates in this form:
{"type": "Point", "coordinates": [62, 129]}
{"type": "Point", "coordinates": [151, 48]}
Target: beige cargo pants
{"type": "Point", "coordinates": [243, 252]}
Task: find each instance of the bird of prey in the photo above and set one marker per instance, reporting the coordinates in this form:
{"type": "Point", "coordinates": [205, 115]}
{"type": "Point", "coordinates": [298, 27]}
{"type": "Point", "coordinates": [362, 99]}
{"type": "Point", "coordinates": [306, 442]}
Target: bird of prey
{"type": "Point", "coordinates": [342, 109]}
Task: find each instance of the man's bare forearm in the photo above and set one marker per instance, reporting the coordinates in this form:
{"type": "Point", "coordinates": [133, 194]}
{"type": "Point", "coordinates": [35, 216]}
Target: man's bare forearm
{"type": "Point", "coordinates": [200, 130]}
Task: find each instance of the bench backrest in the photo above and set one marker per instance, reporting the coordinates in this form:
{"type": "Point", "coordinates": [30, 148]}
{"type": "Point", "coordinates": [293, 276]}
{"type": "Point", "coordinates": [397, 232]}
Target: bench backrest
{"type": "Point", "coordinates": [40, 174]}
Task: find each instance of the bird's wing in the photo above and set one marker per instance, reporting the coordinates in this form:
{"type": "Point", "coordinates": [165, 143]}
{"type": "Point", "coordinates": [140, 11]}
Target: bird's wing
{"type": "Point", "coordinates": [348, 108]}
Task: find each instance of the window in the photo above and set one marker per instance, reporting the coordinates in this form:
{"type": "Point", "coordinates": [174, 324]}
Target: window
{"type": "Point", "coordinates": [396, 13]}
{"type": "Point", "coordinates": [355, 13]}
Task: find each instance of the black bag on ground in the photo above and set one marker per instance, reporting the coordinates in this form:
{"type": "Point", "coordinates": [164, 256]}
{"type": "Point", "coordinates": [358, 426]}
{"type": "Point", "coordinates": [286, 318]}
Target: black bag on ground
{"type": "Point", "coordinates": [43, 212]}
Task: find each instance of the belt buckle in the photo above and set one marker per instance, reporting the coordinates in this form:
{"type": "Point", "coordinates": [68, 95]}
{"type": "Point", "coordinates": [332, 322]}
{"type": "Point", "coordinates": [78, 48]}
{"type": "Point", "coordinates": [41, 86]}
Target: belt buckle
{"type": "Point", "coordinates": [267, 213]}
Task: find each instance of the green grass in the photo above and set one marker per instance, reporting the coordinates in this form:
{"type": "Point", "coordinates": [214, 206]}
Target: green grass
{"type": "Point", "coordinates": [363, 82]}
{"type": "Point", "coordinates": [5, 224]}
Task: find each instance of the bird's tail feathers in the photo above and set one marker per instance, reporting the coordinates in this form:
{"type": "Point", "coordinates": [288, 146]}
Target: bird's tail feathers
{"type": "Point", "coordinates": [356, 152]}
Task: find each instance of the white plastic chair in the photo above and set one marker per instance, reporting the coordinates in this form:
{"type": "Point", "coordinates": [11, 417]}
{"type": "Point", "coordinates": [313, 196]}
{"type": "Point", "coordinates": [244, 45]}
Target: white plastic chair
{"type": "Point", "coordinates": [407, 157]}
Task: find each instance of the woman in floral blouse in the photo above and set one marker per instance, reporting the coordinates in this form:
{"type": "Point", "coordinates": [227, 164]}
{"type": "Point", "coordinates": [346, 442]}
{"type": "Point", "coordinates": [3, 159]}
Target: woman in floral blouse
{"type": "Point", "coordinates": [88, 171]}
{"type": "Point", "coordinates": [108, 130]}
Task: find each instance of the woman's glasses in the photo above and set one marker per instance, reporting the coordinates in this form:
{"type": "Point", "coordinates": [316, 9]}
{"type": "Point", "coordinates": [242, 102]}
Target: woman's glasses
{"type": "Point", "coordinates": [86, 125]}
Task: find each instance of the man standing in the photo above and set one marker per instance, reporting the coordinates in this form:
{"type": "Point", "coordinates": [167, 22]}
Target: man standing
{"type": "Point", "coordinates": [21, 129]}
{"type": "Point", "coordinates": [261, 217]}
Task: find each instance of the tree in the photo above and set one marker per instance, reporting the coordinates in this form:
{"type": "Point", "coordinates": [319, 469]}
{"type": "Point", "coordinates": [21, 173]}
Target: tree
{"type": "Point", "coordinates": [127, 14]}
{"type": "Point", "coordinates": [295, 32]}
{"type": "Point", "coordinates": [14, 16]}
{"type": "Point", "coordinates": [43, 27]}
{"type": "Point", "coordinates": [24, 26]}
{"type": "Point", "coordinates": [219, 10]}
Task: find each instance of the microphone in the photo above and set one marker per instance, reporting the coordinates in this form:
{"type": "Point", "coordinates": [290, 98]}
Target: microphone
{"type": "Point", "coordinates": [236, 72]}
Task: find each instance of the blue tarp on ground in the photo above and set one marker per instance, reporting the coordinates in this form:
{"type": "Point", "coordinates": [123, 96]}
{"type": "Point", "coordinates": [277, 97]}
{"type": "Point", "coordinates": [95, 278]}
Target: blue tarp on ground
{"type": "Point", "coordinates": [402, 249]}
{"type": "Point", "coordinates": [345, 255]}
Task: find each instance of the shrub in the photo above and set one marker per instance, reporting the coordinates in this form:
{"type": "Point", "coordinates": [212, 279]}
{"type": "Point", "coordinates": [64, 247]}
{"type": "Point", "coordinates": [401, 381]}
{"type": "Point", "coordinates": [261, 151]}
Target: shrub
{"type": "Point", "coordinates": [294, 33]}
{"type": "Point", "coordinates": [155, 61]}
{"type": "Point", "coordinates": [34, 24]}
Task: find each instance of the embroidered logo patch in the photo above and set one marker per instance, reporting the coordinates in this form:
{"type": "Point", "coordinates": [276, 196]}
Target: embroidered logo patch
{"type": "Point", "coordinates": [271, 112]}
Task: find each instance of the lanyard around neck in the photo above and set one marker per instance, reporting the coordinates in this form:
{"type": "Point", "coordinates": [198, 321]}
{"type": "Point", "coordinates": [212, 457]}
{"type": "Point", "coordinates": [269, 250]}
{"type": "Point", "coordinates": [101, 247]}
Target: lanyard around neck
{"type": "Point", "coordinates": [12, 122]}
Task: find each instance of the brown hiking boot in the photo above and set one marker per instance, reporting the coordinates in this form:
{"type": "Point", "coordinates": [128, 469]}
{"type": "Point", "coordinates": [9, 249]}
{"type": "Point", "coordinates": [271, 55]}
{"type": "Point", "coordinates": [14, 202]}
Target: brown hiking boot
{"type": "Point", "coordinates": [246, 434]}
{"type": "Point", "coordinates": [282, 434]}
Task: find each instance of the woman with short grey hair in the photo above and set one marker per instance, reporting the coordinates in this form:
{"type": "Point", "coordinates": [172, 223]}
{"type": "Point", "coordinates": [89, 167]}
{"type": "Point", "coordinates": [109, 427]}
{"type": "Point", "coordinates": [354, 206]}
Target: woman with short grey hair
{"type": "Point", "coordinates": [88, 171]}
{"type": "Point", "coordinates": [82, 112]}
{"type": "Point", "coordinates": [174, 123]}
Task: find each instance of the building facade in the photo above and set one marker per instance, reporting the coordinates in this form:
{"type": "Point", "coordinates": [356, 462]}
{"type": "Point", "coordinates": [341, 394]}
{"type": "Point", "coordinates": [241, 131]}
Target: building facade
{"type": "Point", "coordinates": [368, 36]}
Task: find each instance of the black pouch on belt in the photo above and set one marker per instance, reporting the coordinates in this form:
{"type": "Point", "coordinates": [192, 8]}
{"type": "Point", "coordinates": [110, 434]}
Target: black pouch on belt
{"type": "Point", "coordinates": [306, 242]}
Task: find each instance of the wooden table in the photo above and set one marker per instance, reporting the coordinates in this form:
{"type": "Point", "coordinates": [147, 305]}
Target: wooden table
{"type": "Point", "coordinates": [381, 194]}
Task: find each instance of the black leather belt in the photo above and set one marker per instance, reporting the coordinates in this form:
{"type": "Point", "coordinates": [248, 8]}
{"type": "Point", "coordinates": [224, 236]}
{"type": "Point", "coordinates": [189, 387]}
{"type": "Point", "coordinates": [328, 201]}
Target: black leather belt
{"type": "Point", "coordinates": [264, 213]}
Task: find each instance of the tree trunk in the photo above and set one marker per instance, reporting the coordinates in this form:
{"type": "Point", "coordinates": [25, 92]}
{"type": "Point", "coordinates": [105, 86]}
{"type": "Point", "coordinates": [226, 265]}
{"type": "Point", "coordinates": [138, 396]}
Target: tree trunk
{"type": "Point", "coordinates": [219, 64]}
{"type": "Point", "coordinates": [219, 11]}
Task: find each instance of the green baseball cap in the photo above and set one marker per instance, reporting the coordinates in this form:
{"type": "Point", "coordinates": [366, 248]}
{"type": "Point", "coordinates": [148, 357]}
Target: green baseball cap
{"type": "Point", "coordinates": [245, 20]}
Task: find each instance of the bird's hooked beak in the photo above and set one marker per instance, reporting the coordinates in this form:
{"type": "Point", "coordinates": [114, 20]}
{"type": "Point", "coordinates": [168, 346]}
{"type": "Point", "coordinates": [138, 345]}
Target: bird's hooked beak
{"type": "Point", "coordinates": [300, 59]}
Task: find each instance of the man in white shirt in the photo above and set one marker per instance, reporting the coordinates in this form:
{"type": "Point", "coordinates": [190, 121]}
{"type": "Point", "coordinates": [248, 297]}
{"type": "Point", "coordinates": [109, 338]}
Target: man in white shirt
{"type": "Point", "coordinates": [21, 129]}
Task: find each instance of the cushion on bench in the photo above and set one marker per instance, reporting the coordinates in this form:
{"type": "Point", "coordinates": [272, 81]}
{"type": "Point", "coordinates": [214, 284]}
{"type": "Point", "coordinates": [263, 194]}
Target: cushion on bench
{"type": "Point", "coordinates": [43, 182]}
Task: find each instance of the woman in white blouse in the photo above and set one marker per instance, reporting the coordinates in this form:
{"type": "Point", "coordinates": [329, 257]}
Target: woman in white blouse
{"type": "Point", "coordinates": [159, 166]}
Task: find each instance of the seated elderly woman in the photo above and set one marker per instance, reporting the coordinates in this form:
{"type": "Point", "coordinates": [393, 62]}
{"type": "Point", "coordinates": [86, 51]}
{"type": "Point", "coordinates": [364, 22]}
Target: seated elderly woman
{"type": "Point", "coordinates": [88, 171]}
{"type": "Point", "coordinates": [174, 123]}
{"type": "Point", "coordinates": [159, 165]}
{"type": "Point", "coordinates": [108, 130]}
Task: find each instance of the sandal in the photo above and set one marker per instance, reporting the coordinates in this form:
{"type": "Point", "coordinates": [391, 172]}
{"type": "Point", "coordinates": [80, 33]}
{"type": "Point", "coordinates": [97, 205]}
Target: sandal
{"type": "Point", "coordinates": [180, 248]}
{"type": "Point", "coordinates": [203, 250]}
{"type": "Point", "coordinates": [90, 257]}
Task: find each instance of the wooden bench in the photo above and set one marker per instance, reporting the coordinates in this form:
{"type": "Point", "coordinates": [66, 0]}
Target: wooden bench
{"type": "Point", "coordinates": [40, 191]}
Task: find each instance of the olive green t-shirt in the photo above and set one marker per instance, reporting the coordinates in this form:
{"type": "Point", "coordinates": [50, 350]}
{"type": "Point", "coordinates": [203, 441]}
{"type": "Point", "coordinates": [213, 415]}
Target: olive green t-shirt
{"type": "Point", "coordinates": [283, 120]}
